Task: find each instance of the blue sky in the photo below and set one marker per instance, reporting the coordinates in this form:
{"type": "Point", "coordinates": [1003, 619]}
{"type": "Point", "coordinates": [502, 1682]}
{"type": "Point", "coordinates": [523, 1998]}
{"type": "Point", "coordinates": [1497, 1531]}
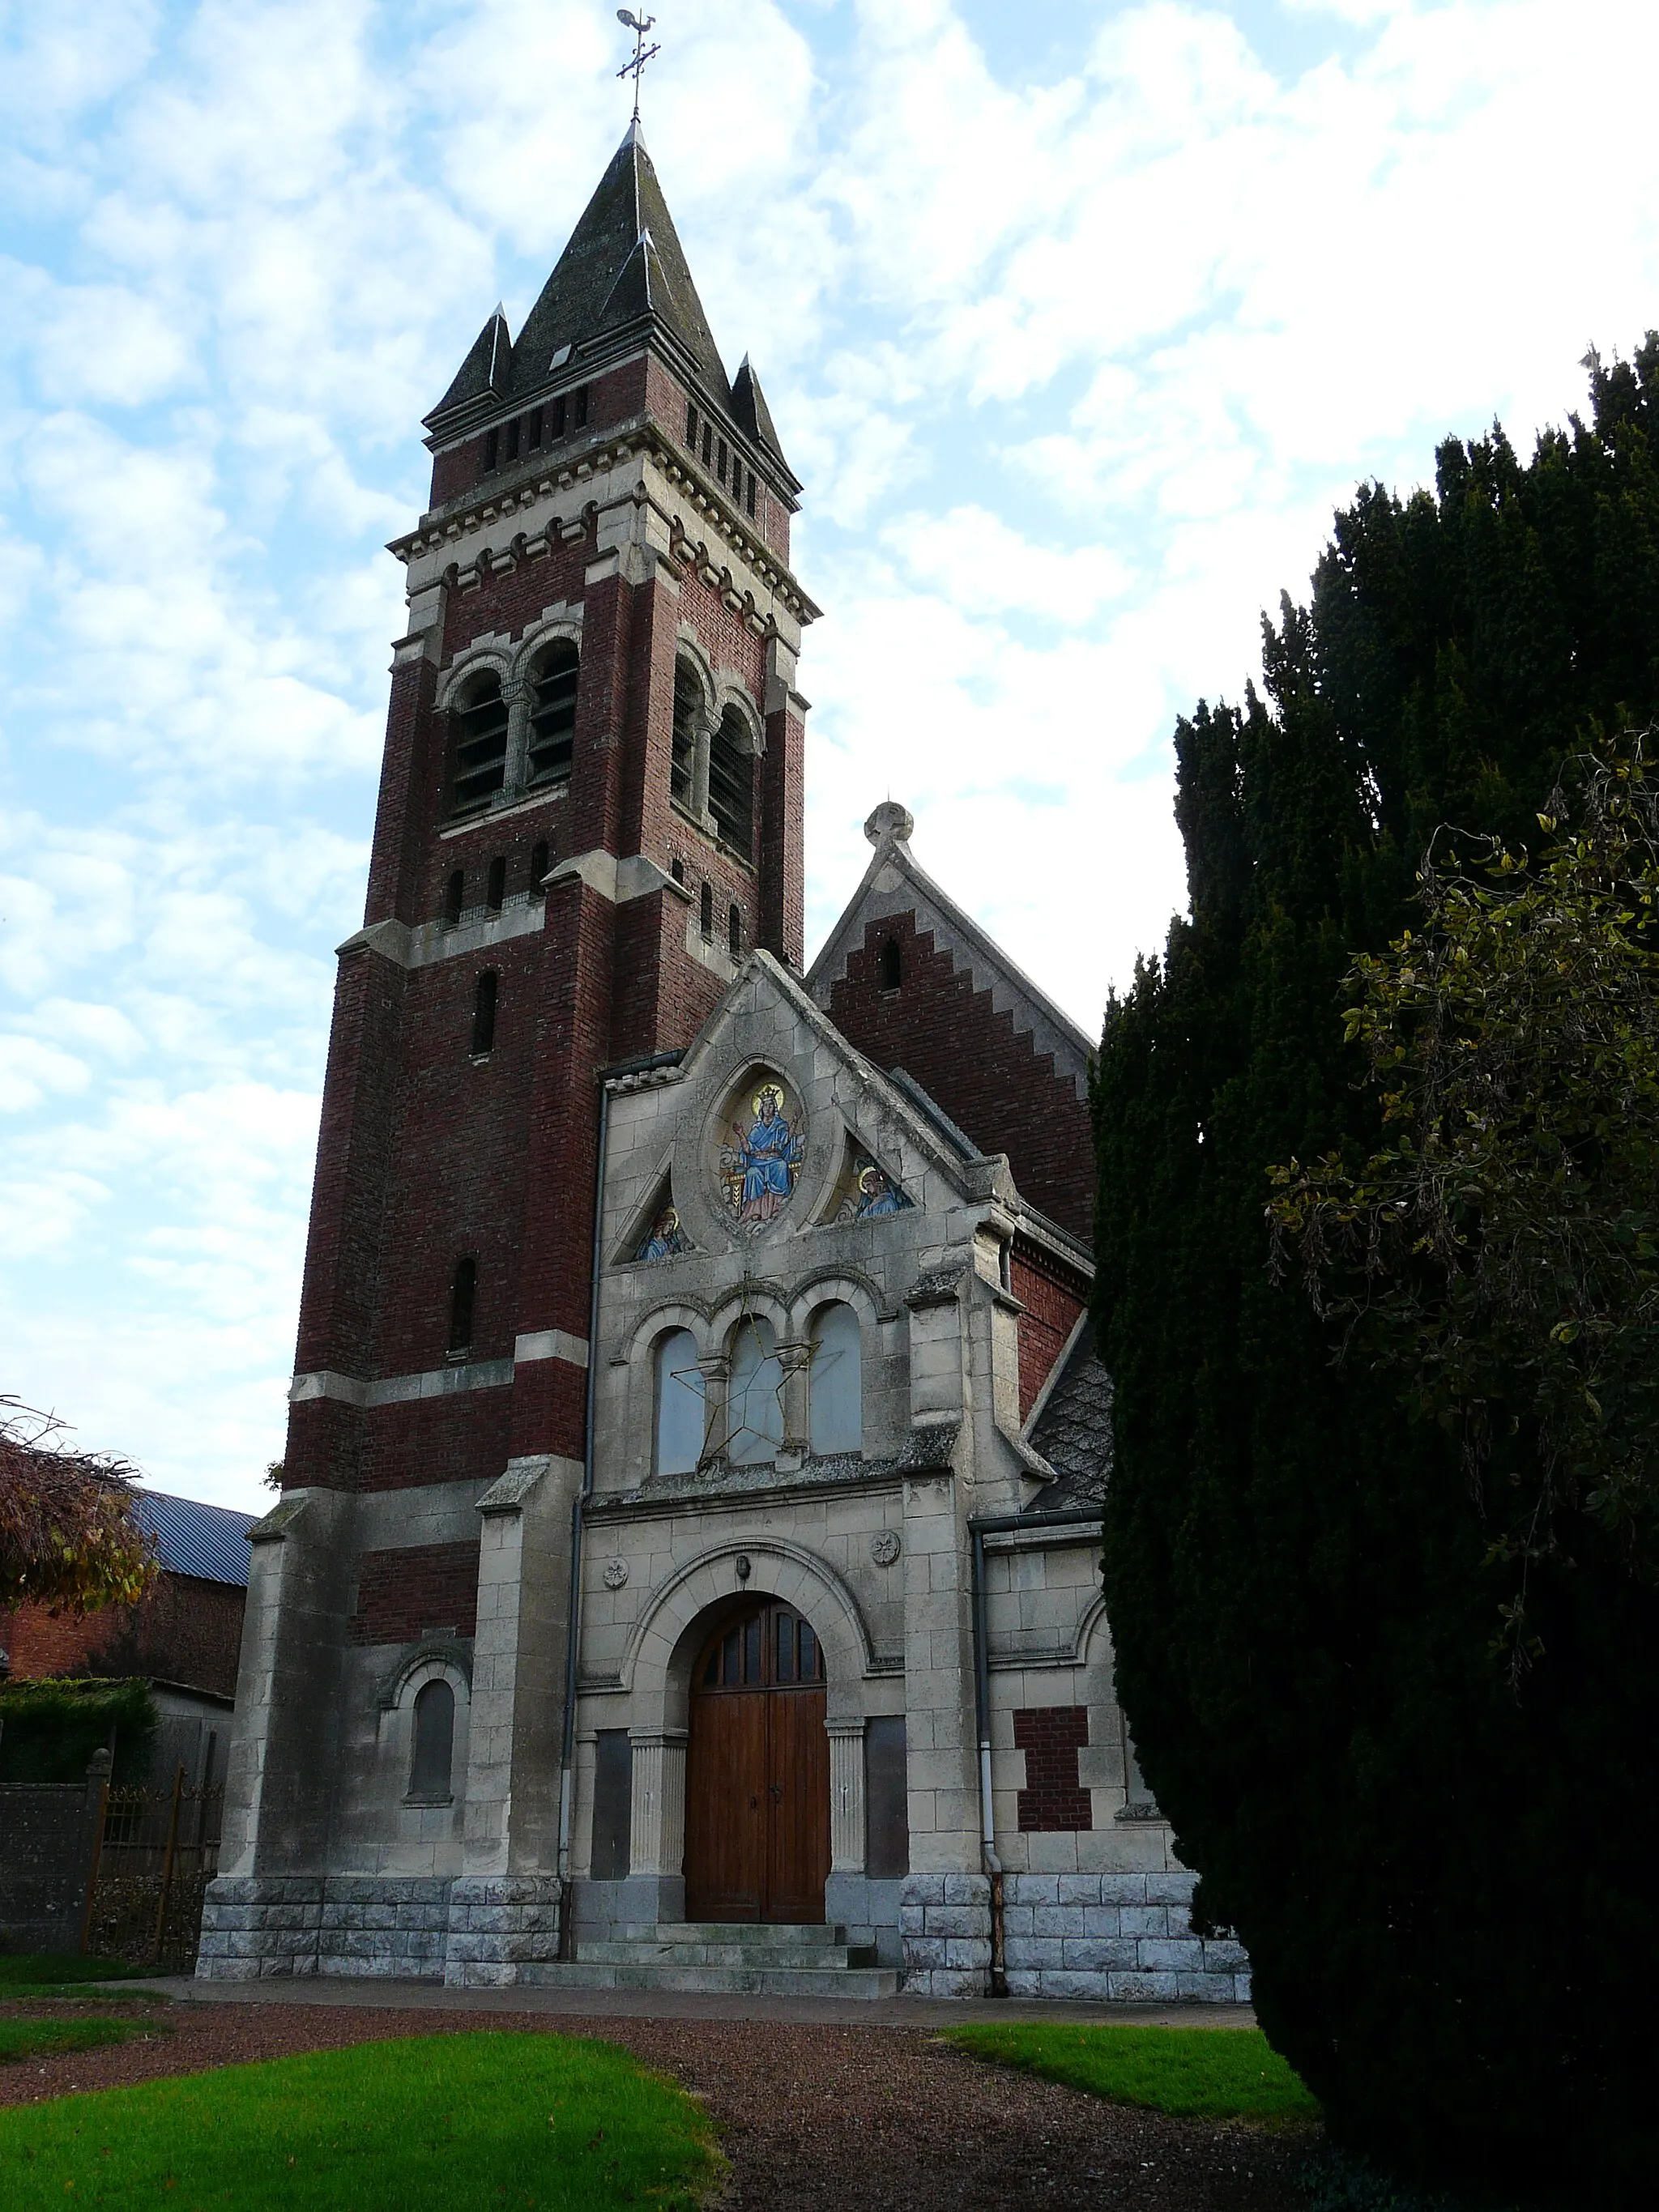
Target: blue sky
{"type": "Point", "coordinates": [1076, 322]}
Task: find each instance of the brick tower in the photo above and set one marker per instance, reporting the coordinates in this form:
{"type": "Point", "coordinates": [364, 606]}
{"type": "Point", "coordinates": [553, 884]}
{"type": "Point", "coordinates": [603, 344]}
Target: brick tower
{"type": "Point", "coordinates": [590, 813]}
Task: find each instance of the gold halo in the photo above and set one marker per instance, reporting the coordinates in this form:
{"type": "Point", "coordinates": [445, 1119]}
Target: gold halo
{"type": "Point", "coordinates": [766, 1090]}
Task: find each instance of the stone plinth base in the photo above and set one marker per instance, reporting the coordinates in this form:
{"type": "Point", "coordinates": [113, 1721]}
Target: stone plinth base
{"type": "Point", "coordinates": [944, 1924]}
{"type": "Point", "coordinates": [473, 1933]}
{"type": "Point", "coordinates": [1117, 1938]}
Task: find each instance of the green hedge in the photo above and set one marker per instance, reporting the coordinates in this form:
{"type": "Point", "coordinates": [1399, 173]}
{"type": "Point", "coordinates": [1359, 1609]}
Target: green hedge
{"type": "Point", "coordinates": [49, 1729]}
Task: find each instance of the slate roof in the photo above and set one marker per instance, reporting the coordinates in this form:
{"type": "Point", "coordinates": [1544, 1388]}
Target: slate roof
{"type": "Point", "coordinates": [208, 1542]}
{"type": "Point", "coordinates": [1074, 1429]}
{"type": "Point", "coordinates": [625, 270]}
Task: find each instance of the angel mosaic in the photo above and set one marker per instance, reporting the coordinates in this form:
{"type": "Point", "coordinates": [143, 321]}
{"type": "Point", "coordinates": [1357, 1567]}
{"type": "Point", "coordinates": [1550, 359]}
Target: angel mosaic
{"type": "Point", "coordinates": [865, 1191]}
{"type": "Point", "coordinates": [665, 1238]}
{"type": "Point", "coordinates": [759, 1167]}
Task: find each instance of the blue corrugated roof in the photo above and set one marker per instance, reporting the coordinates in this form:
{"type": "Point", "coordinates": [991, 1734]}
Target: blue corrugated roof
{"type": "Point", "coordinates": [208, 1541]}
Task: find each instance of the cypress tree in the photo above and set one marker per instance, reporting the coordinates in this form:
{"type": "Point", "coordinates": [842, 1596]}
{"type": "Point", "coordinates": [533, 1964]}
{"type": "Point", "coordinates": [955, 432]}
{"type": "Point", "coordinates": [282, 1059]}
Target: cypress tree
{"type": "Point", "coordinates": [1444, 1882]}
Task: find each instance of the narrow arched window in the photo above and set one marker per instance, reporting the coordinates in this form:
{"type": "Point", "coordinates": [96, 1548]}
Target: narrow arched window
{"type": "Point", "coordinates": [480, 725]}
{"type": "Point", "coordinates": [679, 1404]}
{"type": "Point", "coordinates": [483, 1014]}
{"type": "Point", "coordinates": [495, 884]}
{"type": "Point", "coordinates": [735, 932]}
{"type": "Point", "coordinates": [834, 1381]}
{"type": "Point", "coordinates": [732, 782]}
{"type": "Point", "coordinates": [676, 869]}
{"type": "Point", "coordinates": [455, 897]}
{"type": "Point", "coordinates": [754, 1405]}
{"type": "Point", "coordinates": [688, 713]}
{"type": "Point", "coordinates": [706, 913]}
{"type": "Point", "coordinates": [553, 714]}
{"type": "Point", "coordinates": [434, 1750]}
{"type": "Point", "coordinates": [463, 1291]}
{"type": "Point", "coordinates": [889, 965]}
{"type": "Point", "coordinates": [539, 856]}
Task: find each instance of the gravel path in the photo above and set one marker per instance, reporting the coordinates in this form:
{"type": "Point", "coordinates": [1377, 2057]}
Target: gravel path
{"type": "Point", "coordinates": [820, 2119]}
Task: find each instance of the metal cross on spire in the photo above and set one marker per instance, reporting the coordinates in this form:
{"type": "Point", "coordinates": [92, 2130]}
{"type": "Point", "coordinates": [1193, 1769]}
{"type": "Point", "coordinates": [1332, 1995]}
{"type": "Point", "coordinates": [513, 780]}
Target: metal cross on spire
{"type": "Point", "coordinates": [642, 53]}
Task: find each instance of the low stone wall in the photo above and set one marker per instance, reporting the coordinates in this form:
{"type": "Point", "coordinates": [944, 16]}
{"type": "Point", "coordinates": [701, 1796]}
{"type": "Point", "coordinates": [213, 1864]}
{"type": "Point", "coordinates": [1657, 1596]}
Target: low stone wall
{"type": "Point", "coordinates": [1125, 1938]}
{"type": "Point", "coordinates": [470, 1933]}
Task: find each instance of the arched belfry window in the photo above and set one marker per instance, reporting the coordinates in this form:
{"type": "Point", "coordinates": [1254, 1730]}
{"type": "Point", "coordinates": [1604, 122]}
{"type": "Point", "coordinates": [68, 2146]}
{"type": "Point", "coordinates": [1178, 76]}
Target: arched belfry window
{"type": "Point", "coordinates": [732, 782]}
{"type": "Point", "coordinates": [688, 719]}
{"type": "Point", "coordinates": [478, 730]}
{"type": "Point", "coordinates": [889, 965]}
{"type": "Point", "coordinates": [434, 1750]}
{"type": "Point", "coordinates": [679, 1404]}
{"type": "Point", "coordinates": [552, 715]}
{"type": "Point", "coordinates": [834, 1381]}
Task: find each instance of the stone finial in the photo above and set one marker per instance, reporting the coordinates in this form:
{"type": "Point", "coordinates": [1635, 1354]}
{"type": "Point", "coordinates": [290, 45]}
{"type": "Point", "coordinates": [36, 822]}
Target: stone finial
{"type": "Point", "coordinates": [890, 819]}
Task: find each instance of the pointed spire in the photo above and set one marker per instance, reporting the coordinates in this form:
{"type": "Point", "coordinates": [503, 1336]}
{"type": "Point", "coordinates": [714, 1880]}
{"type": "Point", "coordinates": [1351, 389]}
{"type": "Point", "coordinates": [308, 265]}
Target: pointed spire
{"type": "Point", "coordinates": [626, 221]}
{"type": "Point", "coordinates": [751, 412]}
{"type": "Point", "coordinates": [488, 367]}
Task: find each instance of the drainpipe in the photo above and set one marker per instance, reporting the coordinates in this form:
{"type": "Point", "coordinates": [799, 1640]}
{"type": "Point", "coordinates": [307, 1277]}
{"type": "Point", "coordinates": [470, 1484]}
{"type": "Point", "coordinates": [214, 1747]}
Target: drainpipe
{"type": "Point", "coordinates": [979, 1526]}
{"type": "Point", "coordinates": [573, 1627]}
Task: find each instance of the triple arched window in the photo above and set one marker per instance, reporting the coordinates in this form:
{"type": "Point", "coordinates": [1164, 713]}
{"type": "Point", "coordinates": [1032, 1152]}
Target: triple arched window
{"type": "Point", "coordinates": [753, 1424]}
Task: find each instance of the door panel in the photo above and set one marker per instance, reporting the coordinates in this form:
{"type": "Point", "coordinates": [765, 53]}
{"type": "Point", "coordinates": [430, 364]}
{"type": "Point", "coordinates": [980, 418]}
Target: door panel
{"type": "Point", "coordinates": [725, 1813]}
{"type": "Point", "coordinates": [798, 1780]}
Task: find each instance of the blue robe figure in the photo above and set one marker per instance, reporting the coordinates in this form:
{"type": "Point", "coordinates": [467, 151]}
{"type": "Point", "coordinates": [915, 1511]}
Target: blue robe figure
{"type": "Point", "coordinates": [878, 1195]}
{"type": "Point", "coordinates": [767, 1153]}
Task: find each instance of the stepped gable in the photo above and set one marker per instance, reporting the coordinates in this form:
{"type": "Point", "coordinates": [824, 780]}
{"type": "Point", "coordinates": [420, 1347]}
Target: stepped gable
{"type": "Point", "coordinates": [916, 984]}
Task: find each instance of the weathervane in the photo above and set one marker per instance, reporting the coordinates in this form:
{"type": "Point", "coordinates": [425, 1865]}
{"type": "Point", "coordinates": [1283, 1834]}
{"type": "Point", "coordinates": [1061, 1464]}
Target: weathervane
{"type": "Point", "coordinates": [642, 53]}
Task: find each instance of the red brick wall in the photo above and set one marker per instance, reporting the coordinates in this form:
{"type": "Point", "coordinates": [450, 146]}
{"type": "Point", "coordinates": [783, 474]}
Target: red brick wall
{"type": "Point", "coordinates": [1052, 1302]}
{"type": "Point", "coordinates": [990, 1081]}
{"type": "Point", "coordinates": [1052, 1800]}
{"type": "Point", "coordinates": [185, 1631]}
{"type": "Point", "coordinates": [402, 1593]}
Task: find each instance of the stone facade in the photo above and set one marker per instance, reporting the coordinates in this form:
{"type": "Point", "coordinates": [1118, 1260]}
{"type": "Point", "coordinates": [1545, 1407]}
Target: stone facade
{"type": "Point", "coordinates": [774, 1286]}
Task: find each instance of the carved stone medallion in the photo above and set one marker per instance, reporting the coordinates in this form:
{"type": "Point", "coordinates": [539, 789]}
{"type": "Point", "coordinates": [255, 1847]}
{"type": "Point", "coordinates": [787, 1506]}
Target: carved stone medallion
{"type": "Point", "coordinates": [884, 1548]}
{"type": "Point", "coordinates": [616, 1573]}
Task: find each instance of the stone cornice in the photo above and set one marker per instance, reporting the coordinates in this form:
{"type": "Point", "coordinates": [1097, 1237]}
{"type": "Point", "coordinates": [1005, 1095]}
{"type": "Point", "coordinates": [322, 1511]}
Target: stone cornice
{"type": "Point", "coordinates": [464, 520]}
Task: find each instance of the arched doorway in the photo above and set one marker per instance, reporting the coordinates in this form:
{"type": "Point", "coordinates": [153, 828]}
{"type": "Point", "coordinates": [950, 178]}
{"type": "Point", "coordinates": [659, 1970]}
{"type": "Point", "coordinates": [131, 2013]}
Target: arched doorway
{"type": "Point", "coordinates": [758, 1772]}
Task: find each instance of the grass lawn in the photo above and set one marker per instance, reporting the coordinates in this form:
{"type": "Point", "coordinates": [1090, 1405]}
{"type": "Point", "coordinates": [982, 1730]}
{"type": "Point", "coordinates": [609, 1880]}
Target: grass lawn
{"type": "Point", "coordinates": [27, 2038]}
{"type": "Point", "coordinates": [1196, 2073]}
{"type": "Point", "coordinates": [465, 2122]}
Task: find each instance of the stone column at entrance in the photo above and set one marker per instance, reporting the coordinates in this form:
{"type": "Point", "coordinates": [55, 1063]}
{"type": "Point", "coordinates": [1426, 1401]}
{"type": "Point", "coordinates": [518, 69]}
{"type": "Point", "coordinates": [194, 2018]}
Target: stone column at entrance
{"type": "Point", "coordinates": [846, 1796]}
{"type": "Point", "coordinates": [656, 1822]}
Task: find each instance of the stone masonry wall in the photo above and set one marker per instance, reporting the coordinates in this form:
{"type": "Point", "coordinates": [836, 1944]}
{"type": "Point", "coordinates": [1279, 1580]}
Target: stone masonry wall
{"type": "Point", "coordinates": [1123, 1938]}
{"type": "Point", "coordinates": [472, 1933]}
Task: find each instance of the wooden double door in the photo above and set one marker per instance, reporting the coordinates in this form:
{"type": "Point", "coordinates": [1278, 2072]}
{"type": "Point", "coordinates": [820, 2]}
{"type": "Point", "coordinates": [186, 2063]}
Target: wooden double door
{"type": "Point", "coordinates": [757, 1773]}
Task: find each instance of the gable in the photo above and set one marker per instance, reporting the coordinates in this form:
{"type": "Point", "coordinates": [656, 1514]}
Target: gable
{"type": "Point", "coordinates": [969, 1026]}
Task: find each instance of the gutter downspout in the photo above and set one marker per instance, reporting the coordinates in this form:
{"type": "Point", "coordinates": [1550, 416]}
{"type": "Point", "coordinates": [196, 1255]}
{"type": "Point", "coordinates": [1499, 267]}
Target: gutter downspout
{"type": "Point", "coordinates": [980, 1525]}
{"type": "Point", "coordinates": [573, 1625]}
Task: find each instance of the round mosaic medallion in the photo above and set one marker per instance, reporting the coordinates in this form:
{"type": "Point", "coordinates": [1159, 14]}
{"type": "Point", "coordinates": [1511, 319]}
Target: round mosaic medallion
{"type": "Point", "coordinates": [885, 1548]}
{"type": "Point", "coordinates": [616, 1573]}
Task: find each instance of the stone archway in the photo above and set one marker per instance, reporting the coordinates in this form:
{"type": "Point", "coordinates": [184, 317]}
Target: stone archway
{"type": "Point", "coordinates": [757, 1768]}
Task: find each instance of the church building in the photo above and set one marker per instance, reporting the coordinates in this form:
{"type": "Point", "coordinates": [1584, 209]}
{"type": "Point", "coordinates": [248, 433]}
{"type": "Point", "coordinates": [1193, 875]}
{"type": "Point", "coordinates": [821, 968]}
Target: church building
{"type": "Point", "coordinates": [687, 1568]}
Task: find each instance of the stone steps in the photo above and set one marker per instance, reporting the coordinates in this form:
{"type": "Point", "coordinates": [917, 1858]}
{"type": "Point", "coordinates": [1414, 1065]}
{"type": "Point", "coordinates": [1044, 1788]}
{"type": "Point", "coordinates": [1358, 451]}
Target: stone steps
{"type": "Point", "coordinates": [721, 1958]}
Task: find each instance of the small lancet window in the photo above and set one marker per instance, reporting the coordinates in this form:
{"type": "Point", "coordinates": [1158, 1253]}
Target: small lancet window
{"type": "Point", "coordinates": [553, 714]}
{"type": "Point", "coordinates": [557, 411]}
{"type": "Point", "coordinates": [480, 728]}
{"type": "Point", "coordinates": [732, 782]}
{"type": "Point", "coordinates": [435, 1743]}
{"type": "Point", "coordinates": [753, 1406]}
{"type": "Point", "coordinates": [463, 1293]}
{"type": "Point", "coordinates": [495, 884]}
{"type": "Point", "coordinates": [889, 965]}
{"type": "Point", "coordinates": [455, 897]}
{"type": "Point", "coordinates": [834, 1382]}
{"type": "Point", "coordinates": [749, 493]}
{"type": "Point", "coordinates": [532, 429]}
{"type": "Point", "coordinates": [676, 869]}
{"type": "Point", "coordinates": [691, 424]}
{"type": "Point", "coordinates": [510, 441]}
{"type": "Point", "coordinates": [483, 1014]}
{"type": "Point", "coordinates": [734, 932]}
{"type": "Point", "coordinates": [707, 912]}
{"type": "Point", "coordinates": [708, 446]}
{"type": "Point", "coordinates": [679, 1404]}
{"type": "Point", "coordinates": [539, 856]}
{"type": "Point", "coordinates": [579, 406]}
{"type": "Point", "coordinates": [687, 711]}
{"type": "Point", "coordinates": [489, 453]}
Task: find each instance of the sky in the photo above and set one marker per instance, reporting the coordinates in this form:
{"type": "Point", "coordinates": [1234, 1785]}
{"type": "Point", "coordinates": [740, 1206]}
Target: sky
{"type": "Point", "coordinates": [1076, 322]}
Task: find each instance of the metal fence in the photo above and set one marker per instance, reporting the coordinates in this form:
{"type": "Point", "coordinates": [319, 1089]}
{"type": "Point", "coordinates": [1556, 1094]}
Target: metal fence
{"type": "Point", "coordinates": [160, 1850]}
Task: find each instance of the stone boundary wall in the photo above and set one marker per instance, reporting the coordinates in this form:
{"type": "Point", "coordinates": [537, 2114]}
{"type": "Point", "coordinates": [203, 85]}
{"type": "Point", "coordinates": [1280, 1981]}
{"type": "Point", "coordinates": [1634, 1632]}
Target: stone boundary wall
{"type": "Point", "coordinates": [472, 1933]}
